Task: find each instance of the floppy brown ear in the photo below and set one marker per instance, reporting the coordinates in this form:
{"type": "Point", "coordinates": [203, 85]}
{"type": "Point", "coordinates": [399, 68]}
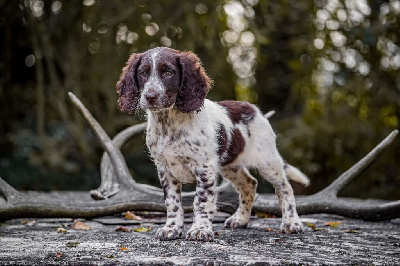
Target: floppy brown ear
{"type": "Point", "coordinates": [127, 86]}
{"type": "Point", "coordinates": [195, 83]}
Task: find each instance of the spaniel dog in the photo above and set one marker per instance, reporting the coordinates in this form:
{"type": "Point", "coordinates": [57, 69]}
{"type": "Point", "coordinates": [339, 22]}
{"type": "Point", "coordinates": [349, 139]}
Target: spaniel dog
{"type": "Point", "coordinates": [192, 139]}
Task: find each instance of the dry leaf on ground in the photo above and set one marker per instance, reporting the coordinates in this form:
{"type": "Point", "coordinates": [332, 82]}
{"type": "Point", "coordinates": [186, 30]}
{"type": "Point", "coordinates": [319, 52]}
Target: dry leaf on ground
{"type": "Point", "coordinates": [142, 229]}
{"type": "Point", "coordinates": [353, 231]}
{"type": "Point", "coordinates": [333, 224]}
{"type": "Point", "coordinates": [122, 228]}
{"type": "Point", "coordinates": [132, 216]}
{"type": "Point", "coordinates": [28, 222]}
{"type": "Point", "coordinates": [58, 255]}
{"type": "Point", "coordinates": [80, 226]}
{"type": "Point", "coordinates": [124, 249]}
{"type": "Point", "coordinates": [265, 215]}
{"type": "Point", "coordinates": [72, 244]}
{"type": "Point", "coordinates": [61, 230]}
{"type": "Point", "coordinates": [312, 226]}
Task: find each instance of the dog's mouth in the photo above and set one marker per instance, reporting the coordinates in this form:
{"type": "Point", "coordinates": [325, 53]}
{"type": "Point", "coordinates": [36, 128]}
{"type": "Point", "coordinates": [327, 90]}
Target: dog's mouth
{"type": "Point", "coordinates": [160, 104]}
{"type": "Point", "coordinates": [157, 108]}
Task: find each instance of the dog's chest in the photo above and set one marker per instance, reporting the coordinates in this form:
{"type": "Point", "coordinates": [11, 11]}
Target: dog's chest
{"type": "Point", "coordinates": [176, 150]}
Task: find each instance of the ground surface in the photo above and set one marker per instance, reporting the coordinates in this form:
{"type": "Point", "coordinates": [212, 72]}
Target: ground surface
{"type": "Point", "coordinates": [351, 242]}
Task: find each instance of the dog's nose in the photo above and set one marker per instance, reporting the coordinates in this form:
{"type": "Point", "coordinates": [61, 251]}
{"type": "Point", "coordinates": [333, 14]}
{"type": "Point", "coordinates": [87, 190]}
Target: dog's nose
{"type": "Point", "coordinates": [151, 96]}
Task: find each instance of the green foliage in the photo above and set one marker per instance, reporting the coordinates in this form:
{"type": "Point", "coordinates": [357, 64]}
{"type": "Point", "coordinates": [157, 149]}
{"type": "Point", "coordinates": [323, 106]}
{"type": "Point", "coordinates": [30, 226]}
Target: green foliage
{"type": "Point", "coordinates": [329, 68]}
{"type": "Point", "coordinates": [353, 101]}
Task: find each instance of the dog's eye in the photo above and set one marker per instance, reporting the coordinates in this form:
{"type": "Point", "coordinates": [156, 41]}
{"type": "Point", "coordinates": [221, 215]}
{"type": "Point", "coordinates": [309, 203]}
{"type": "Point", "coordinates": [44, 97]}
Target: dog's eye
{"type": "Point", "coordinates": [143, 74]}
{"type": "Point", "coordinates": [168, 73]}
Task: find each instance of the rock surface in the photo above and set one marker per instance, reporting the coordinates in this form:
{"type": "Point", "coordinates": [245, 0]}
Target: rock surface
{"type": "Point", "coordinates": [25, 242]}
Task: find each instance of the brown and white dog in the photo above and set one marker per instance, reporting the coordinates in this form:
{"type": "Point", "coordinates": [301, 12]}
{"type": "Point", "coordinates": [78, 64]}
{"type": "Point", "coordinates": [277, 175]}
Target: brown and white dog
{"type": "Point", "coordinates": [192, 139]}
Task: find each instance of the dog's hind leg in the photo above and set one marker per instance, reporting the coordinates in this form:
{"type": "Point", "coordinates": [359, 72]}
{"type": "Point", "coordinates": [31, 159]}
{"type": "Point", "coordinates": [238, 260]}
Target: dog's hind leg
{"type": "Point", "coordinates": [273, 171]}
{"type": "Point", "coordinates": [246, 185]}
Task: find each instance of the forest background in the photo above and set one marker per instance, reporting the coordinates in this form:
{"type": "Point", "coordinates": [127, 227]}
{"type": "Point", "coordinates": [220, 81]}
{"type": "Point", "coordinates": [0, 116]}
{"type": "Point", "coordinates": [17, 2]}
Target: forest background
{"type": "Point", "coordinates": [329, 68]}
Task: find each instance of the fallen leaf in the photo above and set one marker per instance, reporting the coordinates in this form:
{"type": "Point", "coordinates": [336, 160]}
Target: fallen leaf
{"type": "Point", "coordinates": [264, 215]}
{"type": "Point", "coordinates": [58, 255]}
{"type": "Point", "coordinates": [72, 244]}
{"type": "Point", "coordinates": [333, 224]}
{"type": "Point", "coordinates": [28, 222]}
{"type": "Point", "coordinates": [310, 225]}
{"type": "Point", "coordinates": [142, 229]}
{"type": "Point", "coordinates": [269, 229]}
{"type": "Point", "coordinates": [216, 233]}
{"type": "Point", "coordinates": [61, 230]}
{"type": "Point", "coordinates": [109, 256]}
{"type": "Point", "coordinates": [352, 231]}
{"type": "Point", "coordinates": [124, 249]}
{"type": "Point", "coordinates": [80, 226]}
{"type": "Point", "coordinates": [131, 216]}
{"type": "Point", "coordinates": [122, 228]}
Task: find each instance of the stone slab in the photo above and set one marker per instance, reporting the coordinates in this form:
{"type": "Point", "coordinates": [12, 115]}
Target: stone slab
{"type": "Point", "coordinates": [351, 242]}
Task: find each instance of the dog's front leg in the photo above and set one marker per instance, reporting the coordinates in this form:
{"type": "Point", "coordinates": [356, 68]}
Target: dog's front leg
{"type": "Point", "coordinates": [204, 206]}
{"type": "Point", "coordinates": [172, 195]}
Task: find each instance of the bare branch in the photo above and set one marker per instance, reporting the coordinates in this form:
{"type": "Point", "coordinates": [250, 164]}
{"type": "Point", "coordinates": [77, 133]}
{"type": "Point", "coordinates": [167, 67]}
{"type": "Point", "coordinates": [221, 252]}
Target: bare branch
{"type": "Point", "coordinates": [378, 210]}
{"type": "Point", "coordinates": [9, 193]}
{"type": "Point", "coordinates": [79, 204]}
{"type": "Point", "coordinates": [109, 184]}
{"type": "Point", "coordinates": [118, 161]}
{"type": "Point", "coordinates": [333, 189]}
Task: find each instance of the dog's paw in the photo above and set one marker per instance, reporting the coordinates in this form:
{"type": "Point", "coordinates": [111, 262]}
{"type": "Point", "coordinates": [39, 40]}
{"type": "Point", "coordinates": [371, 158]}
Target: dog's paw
{"type": "Point", "coordinates": [200, 234]}
{"type": "Point", "coordinates": [166, 233]}
{"type": "Point", "coordinates": [292, 227]}
{"type": "Point", "coordinates": [235, 222]}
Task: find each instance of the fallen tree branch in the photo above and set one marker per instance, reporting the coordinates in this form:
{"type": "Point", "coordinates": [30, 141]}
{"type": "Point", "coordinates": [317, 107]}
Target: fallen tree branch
{"type": "Point", "coordinates": [356, 170]}
{"type": "Point", "coordinates": [109, 184]}
{"type": "Point", "coordinates": [130, 195]}
{"type": "Point", "coordinates": [118, 161]}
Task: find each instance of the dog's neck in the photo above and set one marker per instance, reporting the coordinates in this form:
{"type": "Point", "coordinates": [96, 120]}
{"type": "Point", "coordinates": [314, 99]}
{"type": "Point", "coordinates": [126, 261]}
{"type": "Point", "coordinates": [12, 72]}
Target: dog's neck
{"type": "Point", "coordinates": [171, 117]}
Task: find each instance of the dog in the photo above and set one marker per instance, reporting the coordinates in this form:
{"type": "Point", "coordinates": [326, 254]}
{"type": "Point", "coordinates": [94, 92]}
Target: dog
{"type": "Point", "coordinates": [193, 139]}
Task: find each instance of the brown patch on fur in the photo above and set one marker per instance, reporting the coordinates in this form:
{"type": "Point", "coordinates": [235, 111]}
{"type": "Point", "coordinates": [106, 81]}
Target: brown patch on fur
{"type": "Point", "coordinates": [127, 86]}
{"type": "Point", "coordinates": [239, 111]}
{"type": "Point", "coordinates": [235, 148]}
{"type": "Point", "coordinates": [195, 83]}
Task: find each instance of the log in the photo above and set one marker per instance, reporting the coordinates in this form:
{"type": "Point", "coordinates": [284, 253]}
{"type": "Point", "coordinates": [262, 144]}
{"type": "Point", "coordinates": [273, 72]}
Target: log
{"type": "Point", "coordinates": [119, 192]}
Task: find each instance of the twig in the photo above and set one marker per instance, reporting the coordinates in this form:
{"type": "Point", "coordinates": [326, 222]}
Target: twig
{"type": "Point", "coordinates": [269, 114]}
{"type": "Point", "coordinates": [333, 189]}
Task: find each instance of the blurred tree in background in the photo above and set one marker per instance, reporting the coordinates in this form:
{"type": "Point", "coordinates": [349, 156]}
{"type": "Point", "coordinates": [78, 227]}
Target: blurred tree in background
{"type": "Point", "coordinates": [329, 68]}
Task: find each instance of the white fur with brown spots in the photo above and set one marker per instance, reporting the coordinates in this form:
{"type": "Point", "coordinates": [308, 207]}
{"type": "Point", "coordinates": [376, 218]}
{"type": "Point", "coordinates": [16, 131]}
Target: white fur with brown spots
{"type": "Point", "coordinates": [196, 144]}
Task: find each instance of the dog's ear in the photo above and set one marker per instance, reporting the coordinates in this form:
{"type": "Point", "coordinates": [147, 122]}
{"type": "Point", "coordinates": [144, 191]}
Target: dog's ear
{"type": "Point", "coordinates": [127, 86]}
{"type": "Point", "coordinates": [195, 83]}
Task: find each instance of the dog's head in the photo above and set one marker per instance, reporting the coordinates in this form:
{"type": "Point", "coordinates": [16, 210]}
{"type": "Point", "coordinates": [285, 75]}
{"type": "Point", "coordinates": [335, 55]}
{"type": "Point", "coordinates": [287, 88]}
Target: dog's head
{"type": "Point", "coordinates": [163, 78]}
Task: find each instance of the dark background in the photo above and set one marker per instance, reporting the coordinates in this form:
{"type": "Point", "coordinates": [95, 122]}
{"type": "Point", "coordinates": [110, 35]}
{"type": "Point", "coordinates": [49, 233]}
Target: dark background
{"type": "Point", "coordinates": [330, 69]}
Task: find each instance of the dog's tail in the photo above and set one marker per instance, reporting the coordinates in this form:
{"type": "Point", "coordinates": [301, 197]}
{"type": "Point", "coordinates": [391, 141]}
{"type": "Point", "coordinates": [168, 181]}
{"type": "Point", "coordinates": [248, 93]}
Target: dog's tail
{"type": "Point", "coordinates": [296, 175]}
